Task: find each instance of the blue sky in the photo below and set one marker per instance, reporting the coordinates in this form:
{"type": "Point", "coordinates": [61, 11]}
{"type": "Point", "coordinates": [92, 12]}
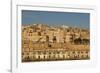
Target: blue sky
{"type": "Point", "coordinates": [56, 18]}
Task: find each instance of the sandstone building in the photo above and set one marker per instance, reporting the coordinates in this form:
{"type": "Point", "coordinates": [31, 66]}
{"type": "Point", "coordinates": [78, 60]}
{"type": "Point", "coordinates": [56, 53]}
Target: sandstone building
{"type": "Point", "coordinates": [47, 43]}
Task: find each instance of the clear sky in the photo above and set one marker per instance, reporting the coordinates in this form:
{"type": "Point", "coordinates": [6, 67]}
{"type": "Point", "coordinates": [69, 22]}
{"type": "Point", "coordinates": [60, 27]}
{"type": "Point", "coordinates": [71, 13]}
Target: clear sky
{"type": "Point", "coordinates": [56, 18]}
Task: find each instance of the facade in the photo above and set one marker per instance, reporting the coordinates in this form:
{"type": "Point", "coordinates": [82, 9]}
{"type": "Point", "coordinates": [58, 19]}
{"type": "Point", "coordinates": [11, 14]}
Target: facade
{"type": "Point", "coordinates": [55, 54]}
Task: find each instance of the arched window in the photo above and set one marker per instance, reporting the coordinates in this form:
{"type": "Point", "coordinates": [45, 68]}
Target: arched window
{"type": "Point", "coordinates": [39, 57]}
{"type": "Point", "coordinates": [44, 57]}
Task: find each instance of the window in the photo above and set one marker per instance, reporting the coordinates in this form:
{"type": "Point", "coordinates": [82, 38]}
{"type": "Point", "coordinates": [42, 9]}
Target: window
{"type": "Point", "coordinates": [86, 52]}
{"type": "Point", "coordinates": [81, 51]}
{"type": "Point", "coordinates": [57, 52]}
{"type": "Point", "coordinates": [49, 52]}
{"type": "Point", "coordinates": [54, 39]}
{"type": "Point", "coordinates": [73, 52]}
{"type": "Point", "coordinates": [39, 33]}
{"type": "Point", "coordinates": [44, 56]}
{"type": "Point", "coordinates": [39, 57]}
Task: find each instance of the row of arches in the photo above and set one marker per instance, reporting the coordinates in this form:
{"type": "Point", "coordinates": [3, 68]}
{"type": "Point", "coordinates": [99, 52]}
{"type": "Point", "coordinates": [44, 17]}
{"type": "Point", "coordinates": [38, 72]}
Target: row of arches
{"type": "Point", "coordinates": [50, 56]}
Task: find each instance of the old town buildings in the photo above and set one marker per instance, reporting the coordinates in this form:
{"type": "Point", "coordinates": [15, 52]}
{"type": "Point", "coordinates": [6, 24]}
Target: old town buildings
{"type": "Point", "coordinates": [41, 42]}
